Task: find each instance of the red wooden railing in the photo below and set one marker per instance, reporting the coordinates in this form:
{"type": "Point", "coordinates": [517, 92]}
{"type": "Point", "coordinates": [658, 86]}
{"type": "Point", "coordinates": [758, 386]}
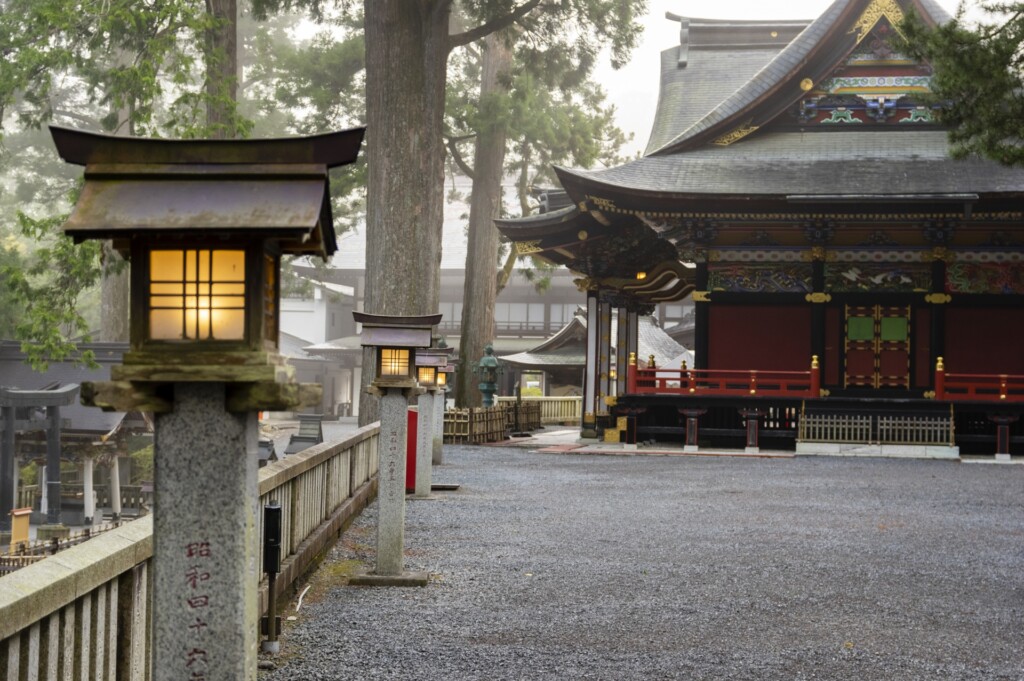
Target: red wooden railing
{"type": "Point", "coordinates": [977, 387]}
{"type": "Point", "coordinates": [684, 381]}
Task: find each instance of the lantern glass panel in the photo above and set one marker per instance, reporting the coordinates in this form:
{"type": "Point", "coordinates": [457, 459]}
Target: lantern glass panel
{"type": "Point", "coordinates": [394, 362]}
{"type": "Point", "coordinates": [442, 378]}
{"type": "Point", "coordinates": [425, 375]}
{"type": "Point", "coordinates": [197, 295]}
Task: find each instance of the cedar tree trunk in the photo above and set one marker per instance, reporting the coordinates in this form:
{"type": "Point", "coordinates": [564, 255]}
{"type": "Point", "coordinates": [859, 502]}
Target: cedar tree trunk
{"type": "Point", "coordinates": [480, 288]}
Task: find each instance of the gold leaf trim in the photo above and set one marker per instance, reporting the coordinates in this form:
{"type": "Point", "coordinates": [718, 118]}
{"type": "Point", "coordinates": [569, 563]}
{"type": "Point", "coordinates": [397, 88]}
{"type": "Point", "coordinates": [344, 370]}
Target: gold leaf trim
{"type": "Point", "coordinates": [737, 134]}
{"type": "Point", "coordinates": [701, 296]}
{"type": "Point", "coordinates": [938, 298]}
{"type": "Point", "coordinates": [874, 12]}
{"type": "Point", "coordinates": [818, 297]}
{"type": "Point", "coordinates": [528, 247]}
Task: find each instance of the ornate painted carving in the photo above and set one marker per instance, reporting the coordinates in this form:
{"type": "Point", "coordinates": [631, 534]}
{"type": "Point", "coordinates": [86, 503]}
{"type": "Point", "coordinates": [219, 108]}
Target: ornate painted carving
{"type": "Point", "coordinates": [737, 134]}
{"type": "Point", "coordinates": [995, 278]}
{"type": "Point", "coordinates": [528, 247]}
{"type": "Point", "coordinates": [701, 231]}
{"type": "Point", "coordinates": [601, 203]}
{"type": "Point", "coordinates": [919, 114]}
{"type": "Point", "coordinates": [888, 85]}
{"type": "Point", "coordinates": [783, 278]}
{"type": "Point", "coordinates": [842, 115]}
{"type": "Point", "coordinates": [875, 277]}
{"type": "Point", "coordinates": [819, 232]}
{"type": "Point", "coordinates": [874, 13]}
{"type": "Point", "coordinates": [939, 232]}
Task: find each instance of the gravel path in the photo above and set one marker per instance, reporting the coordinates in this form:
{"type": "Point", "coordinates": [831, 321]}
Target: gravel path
{"type": "Point", "coordinates": [553, 566]}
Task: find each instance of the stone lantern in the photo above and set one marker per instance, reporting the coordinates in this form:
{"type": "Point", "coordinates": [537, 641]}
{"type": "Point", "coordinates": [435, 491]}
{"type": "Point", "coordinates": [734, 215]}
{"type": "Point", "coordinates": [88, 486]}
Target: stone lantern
{"type": "Point", "coordinates": [488, 369]}
{"type": "Point", "coordinates": [204, 224]}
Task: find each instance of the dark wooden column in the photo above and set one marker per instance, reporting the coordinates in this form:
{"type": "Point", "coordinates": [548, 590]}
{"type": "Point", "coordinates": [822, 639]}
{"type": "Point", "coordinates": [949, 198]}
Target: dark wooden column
{"type": "Point", "coordinates": [818, 311]}
{"type": "Point", "coordinates": [701, 318]}
{"type": "Point", "coordinates": [937, 340]}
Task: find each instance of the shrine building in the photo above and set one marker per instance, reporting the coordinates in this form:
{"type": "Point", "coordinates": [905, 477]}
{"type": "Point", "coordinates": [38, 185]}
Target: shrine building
{"type": "Point", "coordinates": [856, 289]}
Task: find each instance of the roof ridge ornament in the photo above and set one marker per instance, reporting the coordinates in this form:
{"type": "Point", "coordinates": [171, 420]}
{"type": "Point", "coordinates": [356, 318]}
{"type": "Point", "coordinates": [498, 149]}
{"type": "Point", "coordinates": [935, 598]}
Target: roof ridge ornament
{"type": "Point", "coordinates": [873, 13]}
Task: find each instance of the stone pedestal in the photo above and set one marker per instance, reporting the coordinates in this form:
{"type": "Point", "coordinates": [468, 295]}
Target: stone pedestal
{"type": "Point", "coordinates": [437, 445]}
{"type": "Point", "coordinates": [424, 444]}
{"type": "Point", "coordinates": [390, 571]}
{"type": "Point", "coordinates": [88, 493]}
{"type": "Point", "coordinates": [391, 490]}
{"type": "Point", "coordinates": [204, 538]}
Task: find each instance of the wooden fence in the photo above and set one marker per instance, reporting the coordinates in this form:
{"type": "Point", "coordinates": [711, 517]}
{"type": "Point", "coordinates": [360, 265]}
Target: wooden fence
{"type": "Point", "coordinates": [475, 425]}
{"type": "Point", "coordinates": [553, 410]}
{"type": "Point", "coordinates": [88, 615]}
{"type": "Point", "coordinates": [885, 429]}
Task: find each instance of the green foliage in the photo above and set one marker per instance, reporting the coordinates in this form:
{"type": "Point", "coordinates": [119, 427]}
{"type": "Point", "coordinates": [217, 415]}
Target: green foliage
{"type": "Point", "coordinates": [978, 79]}
{"type": "Point", "coordinates": [142, 465]}
{"type": "Point", "coordinates": [47, 288]}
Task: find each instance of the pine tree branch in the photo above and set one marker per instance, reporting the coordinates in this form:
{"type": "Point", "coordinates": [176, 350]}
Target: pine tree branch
{"type": "Point", "coordinates": [492, 26]}
{"type": "Point", "coordinates": [453, 149]}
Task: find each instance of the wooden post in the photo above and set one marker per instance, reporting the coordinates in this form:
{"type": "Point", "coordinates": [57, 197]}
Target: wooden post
{"type": "Point", "coordinates": [753, 382]}
{"type": "Point", "coordinates": [631, 374]}
{"type": "Point", "coordinates": [815, 378]}
{"type": "Point", "coordinates": [940, 380]}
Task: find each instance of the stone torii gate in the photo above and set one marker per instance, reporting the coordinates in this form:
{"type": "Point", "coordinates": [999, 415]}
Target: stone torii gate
{"type": "Point", "coordinates": [52, 400]}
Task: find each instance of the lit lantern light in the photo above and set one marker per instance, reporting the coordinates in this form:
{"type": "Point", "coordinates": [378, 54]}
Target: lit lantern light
{"type": "Point", "coordinates": [442, 377]}
{"type": "Point", "coordinates": [395, 338]}
{"type": "Point", "coordinates": [426, 376]}
{"type": "Point", "coordinates": [430, 364]}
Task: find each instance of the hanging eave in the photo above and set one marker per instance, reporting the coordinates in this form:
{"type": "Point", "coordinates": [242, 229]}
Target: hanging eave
{"type": "Point", "coordinates": [802, 64]}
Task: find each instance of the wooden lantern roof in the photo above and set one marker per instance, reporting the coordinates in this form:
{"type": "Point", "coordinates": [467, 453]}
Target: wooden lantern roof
{"type": "Point", "coordinates": [278, 188]}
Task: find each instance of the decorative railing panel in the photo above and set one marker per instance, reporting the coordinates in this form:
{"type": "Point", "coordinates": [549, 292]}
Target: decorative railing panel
{"type": "Point", "coordinates": [979, 387]}
{"type": "Point", "coordinates": [723, 382]}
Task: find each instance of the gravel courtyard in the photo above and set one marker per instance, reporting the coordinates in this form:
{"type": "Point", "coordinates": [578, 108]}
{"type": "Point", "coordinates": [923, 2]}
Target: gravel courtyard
{"type": "Point", "coordinates": [556, 566]}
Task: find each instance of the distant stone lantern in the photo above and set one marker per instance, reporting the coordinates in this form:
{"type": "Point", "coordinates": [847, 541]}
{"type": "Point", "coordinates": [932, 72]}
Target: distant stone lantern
{"type": "Point", "coordinates": [395, 340]}
{"type": "Point", "coordinates": [204, 224]}
{"type": "Point", "coordinates": [430, 365]}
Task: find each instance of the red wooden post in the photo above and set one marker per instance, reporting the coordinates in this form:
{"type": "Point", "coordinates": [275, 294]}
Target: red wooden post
{"type": "Point", "coordinates": [940, 380]}
{"type": "Point", "coordinates": [753, 381]}
{"type": "Point", "coordinates": [631, 374]}
{"type": "Point", "coordinates": [1002, 386]}
{"type": "Point", "coordinates": [815, 377]}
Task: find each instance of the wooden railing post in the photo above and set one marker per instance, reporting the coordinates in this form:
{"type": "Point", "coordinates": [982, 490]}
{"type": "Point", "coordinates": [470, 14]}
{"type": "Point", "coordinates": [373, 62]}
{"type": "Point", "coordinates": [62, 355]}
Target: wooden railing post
{"type": "Point", "coordinates": [940, 380]}
{"type": "Point", "coordinates": [815, 377]}
{"type": "Point", "coordinates": [753, 381]}
{"type": "Point", "coordinates": [631, 374]}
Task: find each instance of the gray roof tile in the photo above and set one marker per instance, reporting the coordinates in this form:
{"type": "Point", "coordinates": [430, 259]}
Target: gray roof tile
{"type": "Point", "coordinates": [779, 163]}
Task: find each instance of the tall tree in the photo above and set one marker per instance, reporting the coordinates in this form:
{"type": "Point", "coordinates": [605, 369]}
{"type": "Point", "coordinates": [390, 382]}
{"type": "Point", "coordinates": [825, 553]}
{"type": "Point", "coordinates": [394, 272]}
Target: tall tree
{"type": "Point", "coordinates": [978, 78]}
{"type": "Point", "coordinates": [408, 44]}
{"type": "Point", "coordinates": [481, 286]}
{"type": "Point", "coordinates": [548, 112]}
